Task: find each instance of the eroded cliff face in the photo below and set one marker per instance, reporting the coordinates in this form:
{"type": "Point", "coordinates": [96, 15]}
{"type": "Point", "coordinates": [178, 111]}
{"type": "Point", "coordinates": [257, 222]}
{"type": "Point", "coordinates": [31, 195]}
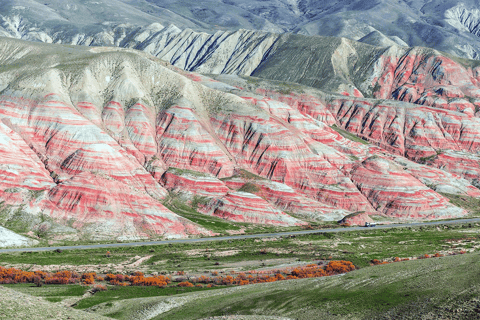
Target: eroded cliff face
{"type": "Point", "coordinates": [93, 133]}
{"type": "Point", "coordinates": [100, 136]}
{"type": "Point", "coordinates": [442, 144]}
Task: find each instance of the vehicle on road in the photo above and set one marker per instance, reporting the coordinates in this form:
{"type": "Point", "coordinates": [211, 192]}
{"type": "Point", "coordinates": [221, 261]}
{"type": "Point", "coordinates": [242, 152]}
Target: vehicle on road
{"type": "Point", "coordinates": [370, 224]}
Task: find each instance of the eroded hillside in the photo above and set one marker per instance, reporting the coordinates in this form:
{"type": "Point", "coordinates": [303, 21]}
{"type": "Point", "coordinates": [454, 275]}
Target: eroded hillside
{"type": "Point", "coordinates": [96, 139]}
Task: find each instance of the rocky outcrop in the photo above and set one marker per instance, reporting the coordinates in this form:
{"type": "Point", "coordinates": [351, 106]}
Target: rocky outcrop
{"type": "Point", "coordinates": [356, 219]}
{"type": "Point", "coordinates": [21, 171]}
{"type": "Point", "coordinates": [108, 208]}
{"type": "Point", "coordinates": [184, 143]}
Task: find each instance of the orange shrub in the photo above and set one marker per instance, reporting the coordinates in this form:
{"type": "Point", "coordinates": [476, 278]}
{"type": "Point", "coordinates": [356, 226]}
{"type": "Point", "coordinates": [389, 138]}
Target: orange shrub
{"type": "Point", "coordinates": [89, 275]}
{"type": "Point", "coordinates": [185, 284]}
{"type": "Point", "coordinates": [228, 280]}
{"type": "Point", "coordinates": [110, 277]}
{"type": "Point", "coordinates": [157, 281]}
{"type": "Point", "coordinates": [243, 282]}
{"type": "Point", "coordinates": [41, 274]}
{"type": "Point", "coordinates": [56, 280]}
{"type": "Point", "coordinates": [279, 277]}
{"type": "Point", "coordinates": [334, 267]}
{"type": "Point", "coordinates": [138, 278]}
{"type": "Point", "coordinates": [203, 279]}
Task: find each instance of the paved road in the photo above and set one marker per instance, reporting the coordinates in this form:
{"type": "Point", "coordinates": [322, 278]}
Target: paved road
{"type": "Point", "coordinates": [246, 236]}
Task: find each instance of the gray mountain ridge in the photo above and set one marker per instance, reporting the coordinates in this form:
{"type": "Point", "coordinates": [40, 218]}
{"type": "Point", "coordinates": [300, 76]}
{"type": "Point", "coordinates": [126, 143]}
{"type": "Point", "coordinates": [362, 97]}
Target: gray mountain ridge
{"type": "Point", "coordinates": [449, 26]}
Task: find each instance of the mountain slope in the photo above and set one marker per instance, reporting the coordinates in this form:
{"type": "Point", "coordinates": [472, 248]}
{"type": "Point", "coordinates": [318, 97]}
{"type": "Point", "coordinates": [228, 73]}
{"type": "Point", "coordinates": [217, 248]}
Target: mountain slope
{"type": "Point", "coordinates": [104, 134]}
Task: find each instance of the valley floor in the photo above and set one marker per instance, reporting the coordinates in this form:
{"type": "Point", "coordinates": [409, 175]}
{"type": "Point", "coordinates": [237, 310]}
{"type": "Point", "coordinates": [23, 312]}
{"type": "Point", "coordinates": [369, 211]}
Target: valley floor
{"type": "Point", "coordinates": [434, 288]}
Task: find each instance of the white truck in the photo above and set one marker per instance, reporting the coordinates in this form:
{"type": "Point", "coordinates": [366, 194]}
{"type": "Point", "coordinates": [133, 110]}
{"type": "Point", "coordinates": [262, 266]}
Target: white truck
{"type": "Point", "coordinates": [370, 224]}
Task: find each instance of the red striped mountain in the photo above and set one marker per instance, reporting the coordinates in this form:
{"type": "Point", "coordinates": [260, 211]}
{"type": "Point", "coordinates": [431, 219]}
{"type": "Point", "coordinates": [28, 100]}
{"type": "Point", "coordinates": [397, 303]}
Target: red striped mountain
{"type": "Point", "coordinates": [445, 139]}
{"type": "Point", "coordinates": [107, 133]}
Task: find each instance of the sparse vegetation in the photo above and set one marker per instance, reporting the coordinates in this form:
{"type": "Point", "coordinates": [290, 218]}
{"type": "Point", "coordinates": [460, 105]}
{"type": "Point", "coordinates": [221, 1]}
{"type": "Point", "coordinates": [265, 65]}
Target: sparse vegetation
{"type": "Point", "coordinates": [428, 159]}
{"type": "Point", "coordinates": [349, 135]}
{"type": "Point", "coordinates": [250, 188]}
{"type": "Point", "coordinates": [199, 201]}
{"type": "Point", "coordinates": [166, 96]}
{"type": "Point", "coordinates": [216, 101]}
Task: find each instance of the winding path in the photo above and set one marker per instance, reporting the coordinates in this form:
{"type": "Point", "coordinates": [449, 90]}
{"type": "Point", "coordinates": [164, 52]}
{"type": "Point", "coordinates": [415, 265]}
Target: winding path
{"type": "Point", "coordinates": [245, 236]}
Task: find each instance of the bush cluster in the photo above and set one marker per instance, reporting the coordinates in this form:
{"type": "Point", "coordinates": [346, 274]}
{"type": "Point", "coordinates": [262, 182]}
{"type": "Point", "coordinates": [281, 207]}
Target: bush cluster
{"type": "Point", "coordinates": [13, 275]}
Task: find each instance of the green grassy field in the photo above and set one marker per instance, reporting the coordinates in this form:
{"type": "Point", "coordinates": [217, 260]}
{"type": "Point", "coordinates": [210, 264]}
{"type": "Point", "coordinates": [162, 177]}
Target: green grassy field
{"type": "Point", "coordinates": [359, 247]}
{"type": "Point", "coordinates": [120, 293]}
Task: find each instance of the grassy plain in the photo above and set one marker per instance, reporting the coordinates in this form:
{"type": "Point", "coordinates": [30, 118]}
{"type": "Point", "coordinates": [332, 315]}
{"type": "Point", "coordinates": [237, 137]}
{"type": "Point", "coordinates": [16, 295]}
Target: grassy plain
{"type": "Point", "coordinates": [360, 247]}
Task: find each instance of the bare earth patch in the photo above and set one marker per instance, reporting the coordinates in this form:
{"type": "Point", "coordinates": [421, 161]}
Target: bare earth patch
{"type": "Point", "coordinates": [226, 253]}
{"type": "Point", "coordinates": [130, 265]}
